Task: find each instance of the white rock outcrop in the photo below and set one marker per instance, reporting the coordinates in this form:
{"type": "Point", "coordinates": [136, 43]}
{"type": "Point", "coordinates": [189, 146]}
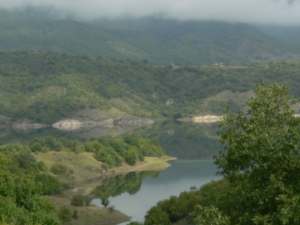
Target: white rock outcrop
{"type": "Point", "coordinates": [68, 124]}
{"type": "Point", "coordinates": [206, 119]}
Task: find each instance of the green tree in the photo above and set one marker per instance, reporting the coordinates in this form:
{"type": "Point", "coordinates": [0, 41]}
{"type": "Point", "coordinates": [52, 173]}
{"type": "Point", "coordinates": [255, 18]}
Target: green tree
{"type": "Point", "coordinates": [104, 202]}
{"type": "Point", "coordinates": [20, 201]}
{"type": "Point", "coordinates": [65, 213]}
{"type": "Point", "coordinates": [156, 215]}
{"type": "Point", "coordinates": [262, 155]}
{"type": "Point", "coordinates": [209, 215]}
{"type": "Point", "coordinates": [78, 200]}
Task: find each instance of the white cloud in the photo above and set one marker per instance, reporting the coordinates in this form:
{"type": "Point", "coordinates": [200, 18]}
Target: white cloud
{"type": "Point", "coordinates": [254, 11]}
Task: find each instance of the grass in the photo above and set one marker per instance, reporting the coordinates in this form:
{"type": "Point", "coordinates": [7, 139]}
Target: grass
{"type": "Point", "coordinates": [89, 215]}
{"type": "Point", "coordinates": [83, 166]}
{"type": "Point", "coordinates": [80, 165]}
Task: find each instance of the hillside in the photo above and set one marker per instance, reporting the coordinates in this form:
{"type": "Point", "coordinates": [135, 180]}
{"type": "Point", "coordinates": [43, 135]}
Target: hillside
{"type": "Point", "coordinates": [155, 40]}
{"type": "Point", "coordinates": [286, 34]}
{"type": "Point", "coordinates": [47, 87]}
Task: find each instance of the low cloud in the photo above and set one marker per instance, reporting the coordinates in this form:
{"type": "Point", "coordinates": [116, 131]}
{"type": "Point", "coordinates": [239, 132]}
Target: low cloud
{"type": "Point", "coordinates": [283, 12]}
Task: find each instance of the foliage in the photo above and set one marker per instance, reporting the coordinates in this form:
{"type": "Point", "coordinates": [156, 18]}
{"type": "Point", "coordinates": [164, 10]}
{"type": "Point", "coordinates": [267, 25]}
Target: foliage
{"type": "Point", "coordinates": [134, 223]}
{"type": "Point", "coordinates": [59, 169]}
{"type": "Point", "coordinates": [65, 213]}
{"type": "Point", "coordinates": [157, 215]}
{"type": "Point", "coordinates": [151, 39]}
{"type": "Point", "coordinates": [105, 202]}
{"type": "Point", "coordinates": [80, 200]}
{"type": "Point", "coordinates": [262, 155]}
{"type": "Point", "coordinates": [209, 215]}
{"type": "Point", "coordinates": [179, 207]}
{"type": "Point", "coordinates": [75, 214]}
{"type": "Point", "coordinates": [50, 185]}
{"type": "Point", "coordinates": [20, 201]}
{"type": "Point", "coordinates": [46, 87]}
{"type": "Point", "coordinates": [128, 149]}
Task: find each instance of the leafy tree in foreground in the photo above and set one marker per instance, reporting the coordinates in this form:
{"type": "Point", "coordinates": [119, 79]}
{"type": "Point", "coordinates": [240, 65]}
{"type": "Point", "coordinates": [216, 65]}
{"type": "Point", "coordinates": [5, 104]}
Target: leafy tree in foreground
{"type": "Point", "coordinates": [262, 154]}
{"type": "Point", "coordinates": [209, 215]}
{"type": "Point", "coordinates": [20, 201]}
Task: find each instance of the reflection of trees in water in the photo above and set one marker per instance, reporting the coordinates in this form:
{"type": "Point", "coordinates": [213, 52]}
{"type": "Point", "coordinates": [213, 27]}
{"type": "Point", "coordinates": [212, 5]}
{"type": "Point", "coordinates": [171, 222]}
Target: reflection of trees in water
{"type": "Point", "coordinates": [184, 140]}
{"type": "Point", "coordinates": [130, 183]}
{"type": "Point", "coordinates": [13, 136]}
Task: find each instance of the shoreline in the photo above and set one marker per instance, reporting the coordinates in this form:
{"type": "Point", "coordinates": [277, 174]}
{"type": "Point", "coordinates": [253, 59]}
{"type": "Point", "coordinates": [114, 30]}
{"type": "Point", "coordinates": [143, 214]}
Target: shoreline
{"type": "Point", "coordinates": [95, 212]}
{"type": "Point", "coordinates": [148, 166]}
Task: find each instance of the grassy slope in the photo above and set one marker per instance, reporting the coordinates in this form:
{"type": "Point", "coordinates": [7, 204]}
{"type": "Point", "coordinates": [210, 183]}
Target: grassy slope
{"type": "Point", "coordinates": [84, 166]}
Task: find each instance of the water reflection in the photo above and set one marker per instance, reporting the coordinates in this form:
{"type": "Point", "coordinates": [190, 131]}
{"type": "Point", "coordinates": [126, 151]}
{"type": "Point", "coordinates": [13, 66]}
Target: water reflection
{"type": "Point", "coordinates": [134, 194]}
{"type": "Point", "coordinates": [125, 183]}
{"type": "Point", "coordinates": [179, 177]}
{"type": "Point", "coordinates": [182, 140]}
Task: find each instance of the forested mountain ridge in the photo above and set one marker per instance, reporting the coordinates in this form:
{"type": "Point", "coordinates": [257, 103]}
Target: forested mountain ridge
{"type": "Point", "coordinates": [46, 87]}
{"type": "Point", "coordinates": [159, 41]}
{"type": "Point", "coordinates": [286, 34]}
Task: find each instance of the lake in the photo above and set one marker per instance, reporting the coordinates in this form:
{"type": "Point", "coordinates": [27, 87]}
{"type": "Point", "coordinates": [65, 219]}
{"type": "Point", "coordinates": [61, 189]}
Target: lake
{"type": "Point", "coordinates": [180, 176]}
{"type": "Point", "coordinates": [193, 144]}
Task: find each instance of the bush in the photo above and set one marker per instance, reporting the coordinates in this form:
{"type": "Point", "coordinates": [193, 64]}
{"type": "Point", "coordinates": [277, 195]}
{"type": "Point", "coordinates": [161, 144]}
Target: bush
{"type": "Point", "coordinates": [65, 213]}
{"type": "Point", "coordinates": [50, 185]}
{"type": "Point", "coordinates": [59, 169]}
{"type": "Point", "coordinates": [81, 200]}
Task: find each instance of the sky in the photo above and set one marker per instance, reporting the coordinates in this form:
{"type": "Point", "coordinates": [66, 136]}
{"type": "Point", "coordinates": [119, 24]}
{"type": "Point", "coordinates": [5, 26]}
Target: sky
{"type": "Point", "coordinates": [281, 12]}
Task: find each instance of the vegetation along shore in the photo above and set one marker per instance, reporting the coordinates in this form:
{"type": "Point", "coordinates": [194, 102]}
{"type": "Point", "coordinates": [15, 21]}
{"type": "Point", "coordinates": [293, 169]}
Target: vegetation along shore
{"type": "Point", "coordinates": [53, 170]}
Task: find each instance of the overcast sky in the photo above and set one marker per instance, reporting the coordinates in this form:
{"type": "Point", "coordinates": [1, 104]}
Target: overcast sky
{"type": "Point", "coordinates": [250, 11]}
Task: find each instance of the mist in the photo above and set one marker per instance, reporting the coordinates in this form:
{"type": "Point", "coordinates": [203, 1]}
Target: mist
{"type": "Point", "coordinates": [270, 12]}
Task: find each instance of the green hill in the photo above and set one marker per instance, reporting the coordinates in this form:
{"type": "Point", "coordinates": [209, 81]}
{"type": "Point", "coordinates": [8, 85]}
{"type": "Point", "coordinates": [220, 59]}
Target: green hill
{"type": "Point", "coordinates": [158, 41]}
{"type": "Point", "coordinates": [46, 87]}
{"type": "Point", "coordinates": [286, 34]}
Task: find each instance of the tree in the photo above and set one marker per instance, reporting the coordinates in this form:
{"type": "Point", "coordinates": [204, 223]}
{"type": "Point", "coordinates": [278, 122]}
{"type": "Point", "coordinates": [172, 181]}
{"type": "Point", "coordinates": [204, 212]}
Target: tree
{"type": "Point", "coordinates": [104, 202]}
{"type": "Point", "coordinates": [20, 201]}
{"type": "Point", "coordinates": [209, 215]}
{"type": "Point", "coordinates": [262, 154]}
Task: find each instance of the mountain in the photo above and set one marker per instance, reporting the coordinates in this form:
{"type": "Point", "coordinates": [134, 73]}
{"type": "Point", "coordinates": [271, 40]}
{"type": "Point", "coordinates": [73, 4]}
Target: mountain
{"type": "Point", "coordinates": [286, 34]}
{"type": "Point", "coordinates": [46, 87]}
{"type": "Point", "coordinates": [159, 41]}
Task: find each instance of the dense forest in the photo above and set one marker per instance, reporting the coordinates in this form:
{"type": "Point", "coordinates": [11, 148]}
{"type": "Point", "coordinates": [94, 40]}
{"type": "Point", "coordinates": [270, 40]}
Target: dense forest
{"type": "Point", "coordinates": [46, 87]}
{"type": "Point", "coordinates": [157, 40]}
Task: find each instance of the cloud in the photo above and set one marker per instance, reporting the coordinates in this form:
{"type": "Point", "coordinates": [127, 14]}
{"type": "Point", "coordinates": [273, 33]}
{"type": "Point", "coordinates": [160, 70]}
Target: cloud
{"type": "Point", "coordinates": [249, 11]}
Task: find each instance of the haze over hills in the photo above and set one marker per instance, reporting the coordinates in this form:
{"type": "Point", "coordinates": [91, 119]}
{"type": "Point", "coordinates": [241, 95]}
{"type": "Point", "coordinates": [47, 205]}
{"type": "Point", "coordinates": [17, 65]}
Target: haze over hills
{"type": "Point", "coordinates": [159, 41]}
{"type": "Point", "coordinates": [286, 34]}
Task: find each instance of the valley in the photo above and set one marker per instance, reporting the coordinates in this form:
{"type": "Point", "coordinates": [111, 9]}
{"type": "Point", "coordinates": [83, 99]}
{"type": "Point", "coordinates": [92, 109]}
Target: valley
{"type": "Point", "coordinates": [112, 116]}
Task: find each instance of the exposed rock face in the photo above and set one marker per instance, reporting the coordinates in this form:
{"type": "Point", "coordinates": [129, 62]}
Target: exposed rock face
{"type": "Point", "coordinates": [68, 124]}
{"type": "Point", "coordinates": [170, 102]}
{"type": "Point", "coordinates": [132, 122]}
{"type": "Point", "coordinates": [101, 121]}
{"type": "Point", "coordinates": [207, 119]}
{"type": "Point", "coordinates": [27, 125]}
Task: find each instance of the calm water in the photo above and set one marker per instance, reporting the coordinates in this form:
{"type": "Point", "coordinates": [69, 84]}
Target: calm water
{"type": "Point", "coordinates": [194, 146]}
{"type": "Point", "coordinates": [180, 176]}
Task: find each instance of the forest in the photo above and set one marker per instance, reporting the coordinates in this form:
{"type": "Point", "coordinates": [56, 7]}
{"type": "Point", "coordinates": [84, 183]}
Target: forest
{"type": "Point", "coordinates": [157, 40]}
{"type": "Point", "coordinates": [46, 87]}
